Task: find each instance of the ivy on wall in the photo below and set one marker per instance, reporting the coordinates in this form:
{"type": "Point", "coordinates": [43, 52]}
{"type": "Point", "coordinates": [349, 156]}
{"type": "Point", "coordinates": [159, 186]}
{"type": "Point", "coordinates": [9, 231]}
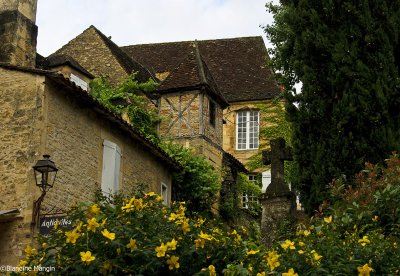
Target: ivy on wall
{"type": "Point", "coordinates": [126, 99]}
{"type": "Point", "coordinates": [273, 124]}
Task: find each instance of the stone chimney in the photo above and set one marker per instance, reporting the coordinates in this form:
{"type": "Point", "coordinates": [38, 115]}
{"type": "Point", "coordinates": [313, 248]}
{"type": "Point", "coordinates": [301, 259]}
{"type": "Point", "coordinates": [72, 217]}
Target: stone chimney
{"type": "Point", "coordinates": [18, 32]}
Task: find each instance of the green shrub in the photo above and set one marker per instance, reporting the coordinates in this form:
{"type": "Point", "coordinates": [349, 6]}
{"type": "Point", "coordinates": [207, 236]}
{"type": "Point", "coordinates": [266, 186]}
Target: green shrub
{"type": "Point", "coordinates": [140, 236]}
{"type": "Point", "coordinates": [198, 184]}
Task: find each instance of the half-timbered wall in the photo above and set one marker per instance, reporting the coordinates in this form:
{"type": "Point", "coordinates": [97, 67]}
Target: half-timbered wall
{"type": "Point", "coordinates": [185, 117]}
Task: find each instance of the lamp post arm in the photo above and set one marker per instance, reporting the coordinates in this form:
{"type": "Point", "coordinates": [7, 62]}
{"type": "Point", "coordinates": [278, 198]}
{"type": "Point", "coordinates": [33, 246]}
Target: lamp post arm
{"type": "Point", "coordinates": [36, 209]}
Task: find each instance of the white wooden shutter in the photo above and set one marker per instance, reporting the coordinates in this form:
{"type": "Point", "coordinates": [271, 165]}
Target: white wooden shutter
{"type": "Point", "coordinates": [111, 168]}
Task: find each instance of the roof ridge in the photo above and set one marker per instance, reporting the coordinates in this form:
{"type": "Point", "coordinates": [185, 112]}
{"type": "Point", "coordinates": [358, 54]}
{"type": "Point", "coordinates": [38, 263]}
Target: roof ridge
{"type": "Point", "coordinates": [191, 41]}
{"type": "Point", "coordinates": [202, 75]}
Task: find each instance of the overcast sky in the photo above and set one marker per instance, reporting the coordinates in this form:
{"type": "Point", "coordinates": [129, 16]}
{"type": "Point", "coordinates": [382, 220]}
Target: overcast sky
{"type": "Point", "coordinates": [148, 21]}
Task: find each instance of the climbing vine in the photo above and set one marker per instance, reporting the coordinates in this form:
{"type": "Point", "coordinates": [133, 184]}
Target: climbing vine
{"type": "Point", "coordinates": [273, 125]}
{"type": "Point", "coordinates": [126, 99]}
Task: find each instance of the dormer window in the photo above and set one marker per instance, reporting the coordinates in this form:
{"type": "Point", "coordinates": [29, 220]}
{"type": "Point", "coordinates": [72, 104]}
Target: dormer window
{"type": "Point", "coordinates": [79, 82]}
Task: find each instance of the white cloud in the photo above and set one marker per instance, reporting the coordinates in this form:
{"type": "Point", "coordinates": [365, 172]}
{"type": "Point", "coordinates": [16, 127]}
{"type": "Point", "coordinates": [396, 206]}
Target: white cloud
{"type": "Point", "coordinates": [148, 21]}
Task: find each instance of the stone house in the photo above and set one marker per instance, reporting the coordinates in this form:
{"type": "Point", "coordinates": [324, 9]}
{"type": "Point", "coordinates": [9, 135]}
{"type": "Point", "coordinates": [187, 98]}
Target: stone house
{"type": "Point", "coordinates": [49, 111]}
{"type": "Point", "coordinates": [188, 99]}
{"type": "Point", "coordinates": [225, 78]}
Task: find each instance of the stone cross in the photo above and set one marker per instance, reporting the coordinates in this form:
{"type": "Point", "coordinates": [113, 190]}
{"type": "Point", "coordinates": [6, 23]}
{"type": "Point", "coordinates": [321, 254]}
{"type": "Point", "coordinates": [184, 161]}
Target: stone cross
{"type": "Point", "coordinates": [276, 157]}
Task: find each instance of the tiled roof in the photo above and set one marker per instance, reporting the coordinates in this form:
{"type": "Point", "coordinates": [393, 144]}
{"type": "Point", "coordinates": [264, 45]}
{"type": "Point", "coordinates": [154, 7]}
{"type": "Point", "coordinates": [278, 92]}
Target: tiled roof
{"type": "Point", "coordinates": [238, 65]}
{"type": "Point", "coordinates": [192, 72]}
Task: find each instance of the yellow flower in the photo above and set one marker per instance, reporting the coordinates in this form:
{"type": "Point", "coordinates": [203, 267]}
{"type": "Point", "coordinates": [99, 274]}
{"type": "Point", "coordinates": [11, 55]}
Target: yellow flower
{"type": "Point", "coordinates": [103, 221]}
{"type": "Point", "coordinates": [302, 243]}
{"type": "Point", "coordinates": [108, 235]}
{"type": "Point", "coordinates": [237, 237]}
{"type": "Point", "coordinates": [261, 273]}
{"type": "Point", "coordinates": [252, 252]}
{"type": "Point", "coordinates": [173, 263]}
{"type": "Point", "coordinates": [199, 243]}
{"type": "Point", "coordinates": [273, 260]}
{"type": "Point", "coordinates": [288, 244]}
{"type": "Point", "coordinates": [316, 258]}
{"type": "Point", "coordinates": [93, 210]}
{"type": "Point", "coordinates": [30, 251]}
{"type": "Point", "coordinates": [174, 216]}
{"type": "Point", "coordinates": [328, 219]}
{"type": "Point", "coordinates": [87, 257]}
{"type": "Point", "coordinates": [185, 226]}
{"type": "Point", "coordinates": [132, 245]}
{"type": "Point", "coordinates": [301, 252]}
{"type": "Point", "coordinates": [44, 245]}
{"type": "Point", "coordinates": [211, 270]}
{"type": "Point", "coordinates": [129, 206]}
{"type": "Point", "coordinates": [205, 236]}
{"type": "Point", "coordinates": [364, 270]}
{"type": "Point", "coordinates": [160, 250]}
{"type": "Point", "coordinates": [172, 244]}
{"type": "Point", "coordinates": [290, 273]}
{"type": "Point", "coordinates": [364, 241]}
{"type": "Point", "coordinates": [306, 233]}
{"type": "Point", "coordinates": [92, 224]}
{"type": "Point", "coordinates": [150, 194]}
{"type": "Point", "coordinates": [375, 218]}
{"type": "Point", "coordinates": [22, 263]}
{"type": "Point", "coordinates": [79, 226]}
{"type": "Point", "coordinates": [199, 222]}
{"type": "Point", "coordinates": [72, 236]}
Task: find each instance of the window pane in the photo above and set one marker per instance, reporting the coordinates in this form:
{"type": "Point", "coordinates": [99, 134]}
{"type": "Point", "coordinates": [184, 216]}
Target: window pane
{"type": "Point", "coordinates": [241, 130]}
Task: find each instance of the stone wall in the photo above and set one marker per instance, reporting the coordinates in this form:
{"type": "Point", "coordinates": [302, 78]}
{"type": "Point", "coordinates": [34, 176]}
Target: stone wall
{"type": "Point", "coordinates": [229, 128]}
{"type": "Point", "coordinates": [18, 32]}
{"type": "Point", "coordinates": [41, 117]}
{"type": "Point", "coordinates": [90, 51]}
{"type": "Point", "coordinates": [75, 135]}
{"type": "Point", "coordinates": [21, 125]}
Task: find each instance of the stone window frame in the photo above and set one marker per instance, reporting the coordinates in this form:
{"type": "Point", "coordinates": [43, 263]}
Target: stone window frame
{"type": "Point", "coordinates": [250, 126]}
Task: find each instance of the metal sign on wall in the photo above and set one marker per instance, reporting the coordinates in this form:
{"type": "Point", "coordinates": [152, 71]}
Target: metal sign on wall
{"type": "Point", "coordinates": [47, 223]}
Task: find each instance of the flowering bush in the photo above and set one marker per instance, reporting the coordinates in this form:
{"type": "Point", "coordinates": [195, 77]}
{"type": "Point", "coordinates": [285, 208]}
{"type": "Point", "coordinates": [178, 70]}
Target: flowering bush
{"type": "Point", "coordinates": [140, 236]}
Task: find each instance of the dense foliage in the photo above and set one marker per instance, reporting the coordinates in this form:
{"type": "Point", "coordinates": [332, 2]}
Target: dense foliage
{"type": "Point", "coordinates": [198, 184]}
{"type": "Point", "coordinates": [359, 234]}
{"type": "Point", "coordinates": [127, 99]}
{"type": "Point", "coordinates": [347, 56]}
{"type": "Point", "coordinates": [231, 200]}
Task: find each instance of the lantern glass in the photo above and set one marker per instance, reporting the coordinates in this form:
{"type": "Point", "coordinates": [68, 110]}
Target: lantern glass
{"type": "Point", "coordinates": [45, 173]}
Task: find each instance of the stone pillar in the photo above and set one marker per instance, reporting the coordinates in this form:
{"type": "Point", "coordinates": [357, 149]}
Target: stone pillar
{"type": "Point", "coordinates": [18, 32]}
{"type": "Point", "coordinates": [278, 202]}
{"type": "Point", "coordinates": [275, 210]}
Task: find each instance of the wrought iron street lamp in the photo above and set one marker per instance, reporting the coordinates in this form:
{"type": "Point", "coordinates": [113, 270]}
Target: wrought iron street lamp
{"type": "Point", "coordinates": [45, 175]}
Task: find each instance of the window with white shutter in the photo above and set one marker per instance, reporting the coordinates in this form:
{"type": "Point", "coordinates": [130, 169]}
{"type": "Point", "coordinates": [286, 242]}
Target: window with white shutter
{"type": "Point", "coordinates": [111, 168]}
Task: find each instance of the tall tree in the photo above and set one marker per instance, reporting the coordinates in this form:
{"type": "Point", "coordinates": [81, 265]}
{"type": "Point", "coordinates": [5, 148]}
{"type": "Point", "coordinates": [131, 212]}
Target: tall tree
{"type": "Point", "coordinates": [346, 53]}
